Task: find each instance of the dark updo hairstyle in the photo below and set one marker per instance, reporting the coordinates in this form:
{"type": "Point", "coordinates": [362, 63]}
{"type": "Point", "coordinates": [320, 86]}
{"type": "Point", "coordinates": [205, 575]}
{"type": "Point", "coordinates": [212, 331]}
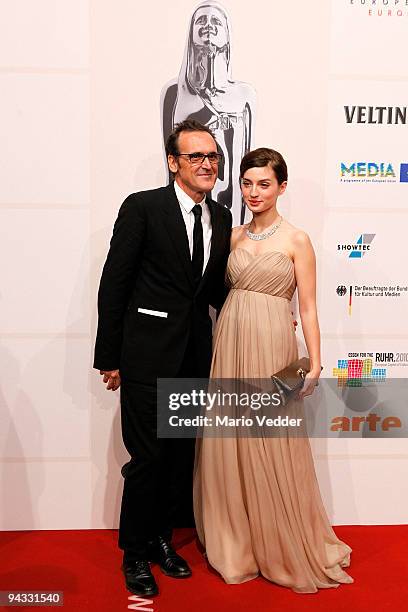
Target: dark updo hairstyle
{"type": "Point", "coordinates": [265, 157]}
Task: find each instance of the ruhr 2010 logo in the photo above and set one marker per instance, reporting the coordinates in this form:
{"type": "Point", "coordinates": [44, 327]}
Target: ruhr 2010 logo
{"type": "Point", "coordinates": [358, 369]}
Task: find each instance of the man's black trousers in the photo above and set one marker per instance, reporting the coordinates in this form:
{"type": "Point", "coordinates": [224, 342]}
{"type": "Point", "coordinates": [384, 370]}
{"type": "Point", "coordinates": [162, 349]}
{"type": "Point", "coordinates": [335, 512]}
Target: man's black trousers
{"type": "Point", "coordinates": [157, 492]}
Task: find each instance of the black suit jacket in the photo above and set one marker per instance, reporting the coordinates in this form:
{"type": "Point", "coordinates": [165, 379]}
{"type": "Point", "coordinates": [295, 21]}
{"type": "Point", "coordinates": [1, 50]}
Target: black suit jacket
{"type": "Point", "coordinates": [149, 267]}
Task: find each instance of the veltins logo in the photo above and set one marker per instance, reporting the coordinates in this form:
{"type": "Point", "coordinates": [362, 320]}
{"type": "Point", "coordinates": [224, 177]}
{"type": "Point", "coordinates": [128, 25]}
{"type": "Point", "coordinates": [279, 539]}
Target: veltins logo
{"type": "Point", "coordinates": [372, 172]}
{"type": "Point", "coordinates": [359, 248]}
{"type": "Point", "coordinates": [376, 115]}
{"type": "Point", "coordinates": [358, 370]}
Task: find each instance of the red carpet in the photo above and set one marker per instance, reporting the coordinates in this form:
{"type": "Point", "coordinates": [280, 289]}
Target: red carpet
{"type": "Point", "coordinates": [86, 566]}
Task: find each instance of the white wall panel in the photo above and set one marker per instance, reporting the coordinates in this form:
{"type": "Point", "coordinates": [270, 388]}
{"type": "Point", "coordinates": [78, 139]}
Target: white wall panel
{"type": "Point", "coordinates": [364, 491]}
{"type": "Point", "coordinates": [45, 495]}
{"type": "Point", "coordinates": [44, 153]}
{"type": "Point", "coordinates": [366, 135]}
{"type": "Point", "coordinates": [48, 279]}
{"type": "Point", "coordinates": [44, 34]}
{"type": "Point", "coordinates": [372, 311]}
{"type": "Point", "coordinates": [45, 405]}
{"type": "Point", "coordinates": [365, 37]}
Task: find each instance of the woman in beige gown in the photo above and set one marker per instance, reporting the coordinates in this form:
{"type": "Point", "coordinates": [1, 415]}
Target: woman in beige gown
{"type": "Point", "coordinates": [257, 502]}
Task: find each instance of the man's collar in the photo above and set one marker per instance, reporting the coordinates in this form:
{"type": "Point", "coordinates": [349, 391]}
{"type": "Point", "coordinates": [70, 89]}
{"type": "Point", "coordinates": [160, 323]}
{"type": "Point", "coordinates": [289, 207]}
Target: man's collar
{"type": "Point", "coordinates": [186, 202]}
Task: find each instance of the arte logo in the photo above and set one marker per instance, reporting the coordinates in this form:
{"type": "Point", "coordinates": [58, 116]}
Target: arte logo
{"type": "Point", "coordinates": [371, 422]}
{"type": "Point", "coordinates": [355, 372]}
{"type": "Point", "coordinates": [359, 248]}
{"type": "Point", "coordinates": [380, 8]}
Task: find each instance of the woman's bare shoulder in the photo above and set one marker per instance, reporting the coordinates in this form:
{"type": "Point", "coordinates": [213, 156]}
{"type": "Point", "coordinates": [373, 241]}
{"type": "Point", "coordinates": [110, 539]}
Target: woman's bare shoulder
{"type": "Point", "coordinates": [239, 229]}
{"type": "Point", "coordinates": [297, 236]}
{"type": "Point", "coordinates": [237, 234]}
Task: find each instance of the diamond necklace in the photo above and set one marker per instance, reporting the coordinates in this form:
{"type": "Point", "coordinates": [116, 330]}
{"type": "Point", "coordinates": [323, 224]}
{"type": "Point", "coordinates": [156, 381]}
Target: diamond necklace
{"type": "Point", "coordinates": [264, 235]}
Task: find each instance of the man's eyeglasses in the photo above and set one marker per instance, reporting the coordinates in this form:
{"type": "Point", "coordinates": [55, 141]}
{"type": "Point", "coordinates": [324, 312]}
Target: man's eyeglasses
{"type": "Point", "coordinates": [198, 158]}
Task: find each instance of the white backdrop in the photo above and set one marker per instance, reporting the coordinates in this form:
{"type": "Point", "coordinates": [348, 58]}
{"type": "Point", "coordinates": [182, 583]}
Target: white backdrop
{"type": "Point", "coordinates": [80, 123]}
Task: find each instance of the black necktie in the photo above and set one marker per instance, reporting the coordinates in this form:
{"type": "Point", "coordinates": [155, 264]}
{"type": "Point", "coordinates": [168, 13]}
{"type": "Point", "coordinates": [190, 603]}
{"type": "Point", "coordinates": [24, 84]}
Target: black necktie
{"type": "Point", "coordinates": [198, 245]}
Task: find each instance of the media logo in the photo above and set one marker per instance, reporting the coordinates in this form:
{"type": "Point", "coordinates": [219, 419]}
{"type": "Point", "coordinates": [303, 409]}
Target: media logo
{"type": "Point", "coordinates": [358, 370]}
{"type": "Point", "coordinates": [367, 172]}
{"type": "Point", "coordinates": [372, 172]}
{"type": "Point", "coordinates": [359, 248]}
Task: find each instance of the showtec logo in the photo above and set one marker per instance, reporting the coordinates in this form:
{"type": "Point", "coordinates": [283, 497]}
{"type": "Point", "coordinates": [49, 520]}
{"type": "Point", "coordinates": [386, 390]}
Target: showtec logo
{"type": "Point", "coordinates": [359, 248]}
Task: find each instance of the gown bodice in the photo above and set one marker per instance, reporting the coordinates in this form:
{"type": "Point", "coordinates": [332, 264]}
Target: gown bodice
{"type": "Point", "coordinates": [271, 273]}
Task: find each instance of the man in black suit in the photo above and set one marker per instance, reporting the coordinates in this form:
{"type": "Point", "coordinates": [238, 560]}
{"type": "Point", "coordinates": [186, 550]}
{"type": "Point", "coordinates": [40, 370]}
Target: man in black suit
{"type": "Point", "coordinates": [165, 266]}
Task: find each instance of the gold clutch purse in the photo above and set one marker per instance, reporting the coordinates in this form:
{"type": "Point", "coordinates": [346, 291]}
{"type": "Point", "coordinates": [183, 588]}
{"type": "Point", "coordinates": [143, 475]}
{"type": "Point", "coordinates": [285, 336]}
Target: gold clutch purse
{"type": "Point", "coordinates": [291, 378]}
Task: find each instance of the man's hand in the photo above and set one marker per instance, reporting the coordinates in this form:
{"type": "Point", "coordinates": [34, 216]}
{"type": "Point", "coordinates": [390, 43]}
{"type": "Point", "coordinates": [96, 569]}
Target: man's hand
{"type": "Point", "coordinates": [112, 377]}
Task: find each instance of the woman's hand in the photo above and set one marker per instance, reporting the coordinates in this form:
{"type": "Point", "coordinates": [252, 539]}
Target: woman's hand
{"type": "Point", "coordinates": [309, 385]}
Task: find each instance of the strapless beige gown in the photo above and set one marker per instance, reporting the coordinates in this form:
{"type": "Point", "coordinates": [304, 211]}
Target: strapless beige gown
{"type": "Point", "coordinates": [257, 502]}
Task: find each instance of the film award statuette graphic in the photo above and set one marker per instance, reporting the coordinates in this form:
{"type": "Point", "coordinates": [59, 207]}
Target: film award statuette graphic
{"type": "Point", "coordinates": [205, 91]}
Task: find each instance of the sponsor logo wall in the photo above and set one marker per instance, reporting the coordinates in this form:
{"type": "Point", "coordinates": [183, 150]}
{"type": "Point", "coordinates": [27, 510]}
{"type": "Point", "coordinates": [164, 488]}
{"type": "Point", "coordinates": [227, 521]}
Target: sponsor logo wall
{"type": "Point", "coordinates": [368, 396]}
{"type": "Point", "coordinates": [367, 135]}
{"type": "Point", "coordinates": [364, 278]}
{"type": "Point", "coordinates": [373, 30]}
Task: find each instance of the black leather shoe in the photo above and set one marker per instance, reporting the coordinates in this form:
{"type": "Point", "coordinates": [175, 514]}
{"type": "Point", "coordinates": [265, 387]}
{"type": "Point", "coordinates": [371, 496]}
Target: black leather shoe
{"type": "Point", "coordinates": [169, 561]}
{"type": "Point", "coordinates": [139, 578]}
